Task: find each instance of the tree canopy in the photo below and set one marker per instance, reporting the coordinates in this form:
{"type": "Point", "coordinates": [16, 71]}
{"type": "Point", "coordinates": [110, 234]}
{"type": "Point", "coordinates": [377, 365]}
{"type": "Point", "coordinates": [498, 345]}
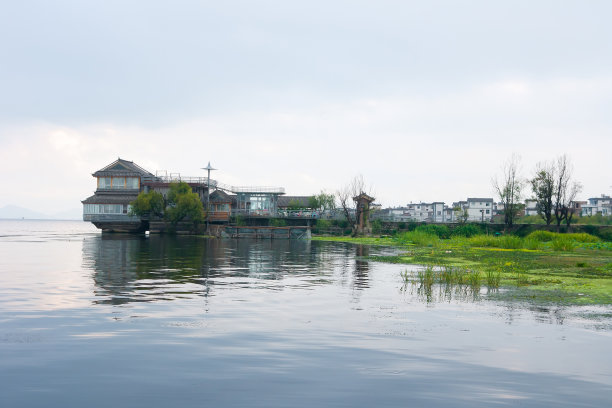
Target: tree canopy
{"type": "Point", "coordinates": [181, 203]}
{"type": "Point", "coordinates": [322, 201]}
{"type": "Point", "coordinates": [151, 203]}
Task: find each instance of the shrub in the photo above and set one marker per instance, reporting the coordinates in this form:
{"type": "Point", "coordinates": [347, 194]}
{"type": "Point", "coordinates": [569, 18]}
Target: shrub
{"type": "Point", "coordinates": [542, 236]}
{"type": "Point", "coordinates": [583, 237]}
{"type": "Point", "coordinates": [531, 243]}
{"type": "Point", "coordinates": [342, 223]}
{"type": "Point", "coordinates": [466, 230]}
{"type": "Point", "coordinates": [562, 244]}
{"type": "Point", "coordinates": [441, 231]}
{"type": "Point", "coordinates": [510, 242]}
{"type": "Point", "coordinates": [376, 227]}
{"type": "Point", "coordinates": [277, 222]}
{"type": "Point", "coordinates": [323, 224]}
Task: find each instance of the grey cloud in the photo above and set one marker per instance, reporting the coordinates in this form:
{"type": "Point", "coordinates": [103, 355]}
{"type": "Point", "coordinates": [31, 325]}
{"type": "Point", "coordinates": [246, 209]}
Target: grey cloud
{"type": "Point", "coordinates": [149, 62]}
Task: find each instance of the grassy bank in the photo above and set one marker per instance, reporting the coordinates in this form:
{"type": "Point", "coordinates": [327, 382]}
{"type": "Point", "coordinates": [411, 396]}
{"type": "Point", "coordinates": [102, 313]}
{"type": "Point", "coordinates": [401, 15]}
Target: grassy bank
{"type": "Point", "coordinates": [543, 266]}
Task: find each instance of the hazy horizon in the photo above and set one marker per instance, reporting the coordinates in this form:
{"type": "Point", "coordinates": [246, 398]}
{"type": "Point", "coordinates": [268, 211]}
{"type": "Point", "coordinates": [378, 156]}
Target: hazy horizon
{"type": "Point", "coordinates": [424, 99]}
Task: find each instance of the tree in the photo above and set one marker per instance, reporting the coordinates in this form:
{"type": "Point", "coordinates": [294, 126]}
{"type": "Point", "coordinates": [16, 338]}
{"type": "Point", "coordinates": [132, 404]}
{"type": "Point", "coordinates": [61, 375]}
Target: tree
{"type": "Point", "coordinates": [566, 191]}
{"type": "Point", "coordinates": [183, 203]}
{"type": "Point", "coordinates": [178, 189]}
{"type": "Point", "coordinates": [151, 203]}
{"type": "Point", "coordinates": [345, 197]}
{"type": "Point", "coordinates": [294, 205]}
{"type": "Point", "coordinates": [461, 214]}
{"type": "Point", "coordinates": [322, 201]}
{"type": "Point", "coordinates": [543, 187]}
{"type": "Point", "coordinates": [509, 189]}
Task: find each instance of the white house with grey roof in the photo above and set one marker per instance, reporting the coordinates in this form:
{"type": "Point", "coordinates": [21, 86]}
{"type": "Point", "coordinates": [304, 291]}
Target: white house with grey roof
{"type": "Point", "coordinates": [480, 209]}
{"type": "Point", "coordinates": [598, 205]}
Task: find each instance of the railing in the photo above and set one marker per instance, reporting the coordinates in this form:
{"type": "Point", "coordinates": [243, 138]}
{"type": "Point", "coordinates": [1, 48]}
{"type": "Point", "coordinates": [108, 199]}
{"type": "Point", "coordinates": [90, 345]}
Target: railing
{"type": "Point", "coordinates": [303, 214]}
{"type": "Point", "coordinates": [111, 218]}
{"type": "Point", "coordinates": [192, 180]}
{"type": "Point", "coordinates": [175, 178]}
{"type": "Point", "coordinates": [255, 189]}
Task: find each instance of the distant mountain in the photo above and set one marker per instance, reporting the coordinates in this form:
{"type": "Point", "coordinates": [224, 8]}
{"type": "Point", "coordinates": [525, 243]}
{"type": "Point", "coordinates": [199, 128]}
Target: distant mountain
{"type": "Point", "coordinates": [16, 212]}
{"type": "Point", "coordinates": [72, 214]}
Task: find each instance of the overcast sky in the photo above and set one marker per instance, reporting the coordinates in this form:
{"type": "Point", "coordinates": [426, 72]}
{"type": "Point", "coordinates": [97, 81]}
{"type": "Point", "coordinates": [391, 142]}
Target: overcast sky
{"type": "Point", "coordinates": [425, 99]}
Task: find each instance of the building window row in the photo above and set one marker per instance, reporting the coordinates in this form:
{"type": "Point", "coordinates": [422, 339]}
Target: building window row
{"type": "Point", "coordinates": [106, 208]}
{"type": "Point", "coordinates": [129, 183]}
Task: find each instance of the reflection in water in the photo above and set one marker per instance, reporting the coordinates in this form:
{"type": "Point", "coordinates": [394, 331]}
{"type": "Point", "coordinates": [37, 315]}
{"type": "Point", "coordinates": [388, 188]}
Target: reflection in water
{"type": "Point", "coordinates": [361, 266]}
{"type": "Point", "coordinates": [446, 292]}
{"type": "Point", "coordinates": [136, 268]}
{"type": "Point", "coordinates": [275, 323]}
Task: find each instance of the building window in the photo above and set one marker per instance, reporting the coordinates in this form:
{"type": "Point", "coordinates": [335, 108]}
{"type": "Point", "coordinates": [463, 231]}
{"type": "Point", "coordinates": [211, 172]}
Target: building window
{"type": "Point", "coordinates": [487, 211]}
{"type": "Point", "coordinates": [104, 182]}
{"type": "Point", "coordinates": [104, 209]}
{"type": "Point", "coordinates": [118, 182]}
{"type": "Point", "coordinates": [131, 183]}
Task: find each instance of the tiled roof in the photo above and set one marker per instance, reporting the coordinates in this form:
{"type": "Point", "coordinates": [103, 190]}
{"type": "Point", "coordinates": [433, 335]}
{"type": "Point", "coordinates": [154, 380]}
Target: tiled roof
{"type": "Point", "coordinates": [480, 199]}
{"type": "Point", "coordinates": [122, 167]}
{"type": "Point", "coordinates": [219, 196]}
{"type": "Point", "coordinates": [110, 199]}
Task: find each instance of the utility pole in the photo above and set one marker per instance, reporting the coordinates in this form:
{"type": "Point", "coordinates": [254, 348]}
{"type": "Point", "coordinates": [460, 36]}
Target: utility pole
{"type": "Point", "coordinates": [208, 168]}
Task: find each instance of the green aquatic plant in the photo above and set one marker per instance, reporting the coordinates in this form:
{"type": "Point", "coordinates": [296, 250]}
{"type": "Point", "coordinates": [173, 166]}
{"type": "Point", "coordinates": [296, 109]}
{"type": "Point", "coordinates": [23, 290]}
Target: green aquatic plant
{"type": "Point", "coordinates": [419, 238]}
{"type": "Point", "coordinates": [427, 276]}
{"type": "Point", "coordinates": [473, 279]}
{"type": "Point", "coordinates": [493, 278]}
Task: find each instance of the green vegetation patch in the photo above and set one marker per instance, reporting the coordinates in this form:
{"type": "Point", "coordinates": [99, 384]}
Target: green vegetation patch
{"type": "Point", "coordinates": [544, 266]}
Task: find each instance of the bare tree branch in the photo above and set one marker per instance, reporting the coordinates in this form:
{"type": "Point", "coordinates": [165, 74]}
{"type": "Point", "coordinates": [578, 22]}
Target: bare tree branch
{"type": "Point", "coordinates": [345, 196]}
{"type": "Point", "coordinates": [509, 188]}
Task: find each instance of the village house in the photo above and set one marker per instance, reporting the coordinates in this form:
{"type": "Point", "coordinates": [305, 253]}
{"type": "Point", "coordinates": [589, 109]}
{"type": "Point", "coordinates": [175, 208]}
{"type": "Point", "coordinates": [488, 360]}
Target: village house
{"type": "Point", "coordinates": [480, 209]}
{"type": "Point", "coordinates": [531, 207]}
{"type": "Point", "coordinates": [598, 205]}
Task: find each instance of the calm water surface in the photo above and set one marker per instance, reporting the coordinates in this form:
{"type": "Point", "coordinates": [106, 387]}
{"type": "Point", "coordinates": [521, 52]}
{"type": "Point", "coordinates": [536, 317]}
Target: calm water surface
{"type": "Point", "coordinates": [99, 321]}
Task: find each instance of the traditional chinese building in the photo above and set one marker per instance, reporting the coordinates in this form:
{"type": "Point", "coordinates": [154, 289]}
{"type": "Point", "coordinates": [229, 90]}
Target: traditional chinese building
{"type": "Point", "coordinates": [118, 184]}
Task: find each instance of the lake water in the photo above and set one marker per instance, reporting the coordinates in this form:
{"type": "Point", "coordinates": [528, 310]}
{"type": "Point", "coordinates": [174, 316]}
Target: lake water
{"type": "Point", "coordinates": [90, 320]}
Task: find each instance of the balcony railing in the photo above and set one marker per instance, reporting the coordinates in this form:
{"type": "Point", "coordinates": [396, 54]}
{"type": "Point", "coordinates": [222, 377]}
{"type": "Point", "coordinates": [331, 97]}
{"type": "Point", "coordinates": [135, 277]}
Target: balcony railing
{"type": "Point", "coordinates": [110, 218]}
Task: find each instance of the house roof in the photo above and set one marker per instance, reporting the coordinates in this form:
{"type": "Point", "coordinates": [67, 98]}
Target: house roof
{"type": "Point", "coordinates": [219, 196]}
{"type": "Point", "coordinates": [110, 199]}
{"type": "Point", "coordinates": [302, 201]}
{"type": "Point", "coordinates": [365, 197]}
{"type": "Point", "coordinates": [480, 199]}
{"type": "Point", "coordinates": [122, 167]}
